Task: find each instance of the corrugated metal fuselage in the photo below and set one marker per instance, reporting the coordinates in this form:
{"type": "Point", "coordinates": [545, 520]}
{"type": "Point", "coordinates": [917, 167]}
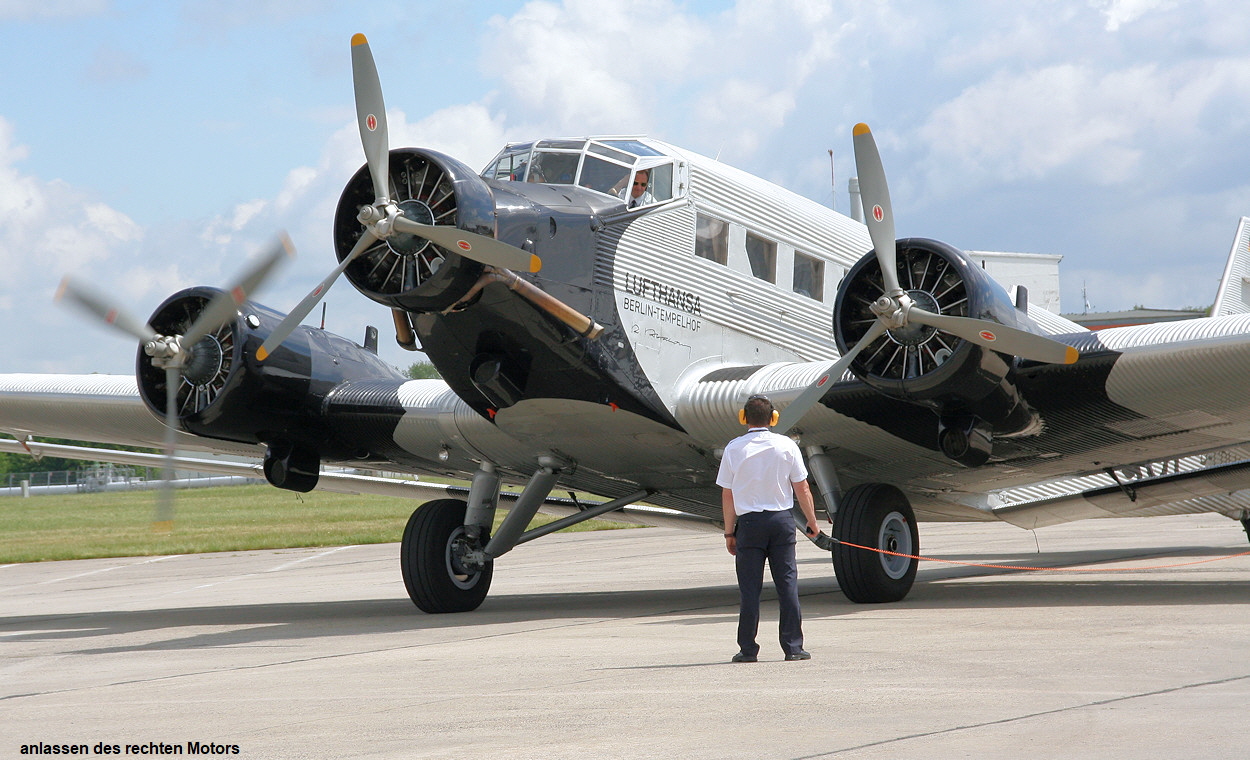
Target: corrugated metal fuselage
{"type": "Point", "coordinates": [611, 404]}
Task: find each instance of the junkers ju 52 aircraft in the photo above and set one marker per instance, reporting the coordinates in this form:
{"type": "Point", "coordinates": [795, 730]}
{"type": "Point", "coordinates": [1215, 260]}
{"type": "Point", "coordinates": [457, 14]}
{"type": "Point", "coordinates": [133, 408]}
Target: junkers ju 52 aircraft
{"type": "Point", "coordinates": [600, 308]}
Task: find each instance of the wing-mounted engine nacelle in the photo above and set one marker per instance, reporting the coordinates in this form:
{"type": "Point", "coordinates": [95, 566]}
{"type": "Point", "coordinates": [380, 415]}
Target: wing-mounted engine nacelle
{"type": "Point", "coordinates": [225, 393]}
{"type": "Point", "coordinates": [969, 387]}
{"type": "Point", "coordinates": [405, 271]}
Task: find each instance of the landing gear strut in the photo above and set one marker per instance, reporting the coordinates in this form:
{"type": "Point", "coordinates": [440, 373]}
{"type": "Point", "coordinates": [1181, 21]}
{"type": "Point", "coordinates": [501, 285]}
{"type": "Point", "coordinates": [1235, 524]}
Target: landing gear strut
{"type": "Point", "coordinates": [448, 554]}
{"type": "Point", "coordinates": [878, 516]}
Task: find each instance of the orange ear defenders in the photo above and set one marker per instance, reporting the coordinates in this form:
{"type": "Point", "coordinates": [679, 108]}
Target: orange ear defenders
{"type": "Point", "coordinates": [742, 413]}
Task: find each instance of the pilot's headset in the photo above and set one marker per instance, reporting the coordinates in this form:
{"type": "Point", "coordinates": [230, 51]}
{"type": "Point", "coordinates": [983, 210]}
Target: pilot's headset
{"type": "Point", "coordinates": [742, 413]}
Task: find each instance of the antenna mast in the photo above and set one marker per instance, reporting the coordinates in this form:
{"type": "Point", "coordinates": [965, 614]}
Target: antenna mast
{"type": "Point", "coordinates": [833, 180]}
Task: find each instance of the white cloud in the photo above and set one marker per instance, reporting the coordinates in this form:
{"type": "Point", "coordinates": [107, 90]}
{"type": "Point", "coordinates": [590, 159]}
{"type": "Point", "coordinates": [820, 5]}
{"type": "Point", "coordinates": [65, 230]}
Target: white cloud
{"type": "Point", "coordinates": [1023, 127]}
{"type": "Point", "coordinates": [470, 133]}
{"type": "Point", "coordinates": [48, 230]}
{"type": "Point", "coordinates": [1123, 12]}
{"type": "Point", "coordinates": [586, 66]}
{"type": "Point", "coordinates": [1105, 127]}
{"type": "Point", "coordinates": [44, 222]}
{"type": "Point", "coordinates": [729, 80]}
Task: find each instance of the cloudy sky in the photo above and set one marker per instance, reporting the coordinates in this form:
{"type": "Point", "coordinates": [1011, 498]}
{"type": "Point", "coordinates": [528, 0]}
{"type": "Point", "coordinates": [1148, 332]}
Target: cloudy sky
{"type": "Point", "coordinates": [149, 146]}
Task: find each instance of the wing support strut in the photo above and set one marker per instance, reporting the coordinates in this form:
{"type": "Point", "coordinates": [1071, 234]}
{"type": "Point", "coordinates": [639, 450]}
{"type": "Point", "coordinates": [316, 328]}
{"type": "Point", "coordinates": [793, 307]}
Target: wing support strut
{"type": "Point", "coordinates": [527, 504]}
{"type": "Point", "coordinates": [512, 531]}
{"type": "Point", "coordinates": [1128, 490]}
{"type": "Point", "coordinates": [586, 514]}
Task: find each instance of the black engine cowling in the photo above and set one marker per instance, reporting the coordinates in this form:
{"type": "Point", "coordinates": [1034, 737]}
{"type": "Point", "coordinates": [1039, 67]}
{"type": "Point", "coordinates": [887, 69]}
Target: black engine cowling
{"type": "Point", "coordinates": [226, 394]}
{"type": "Point", "coordinates": [405, 271]}
{"type": "Point", "coordinates": [967, 386]}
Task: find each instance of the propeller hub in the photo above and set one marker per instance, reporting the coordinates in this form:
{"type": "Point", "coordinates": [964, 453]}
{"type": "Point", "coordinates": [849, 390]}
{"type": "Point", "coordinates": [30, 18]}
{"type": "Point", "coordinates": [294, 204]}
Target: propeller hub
{"type": "Point", "coordinates": [403, 243]}
{"type": "Point", "coordinates": [911, 333]}
{"type": "Point", "coordinates": [164, 350]}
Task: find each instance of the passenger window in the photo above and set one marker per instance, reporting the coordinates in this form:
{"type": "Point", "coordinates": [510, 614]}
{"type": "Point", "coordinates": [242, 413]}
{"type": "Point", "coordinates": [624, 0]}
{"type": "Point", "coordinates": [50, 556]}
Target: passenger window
{"type": "Point", "coordinates": [809, 276]}
{"type": "Point", "coordinates": [711, 239]}
{"type": "Point", "coordinates": [763, 256]}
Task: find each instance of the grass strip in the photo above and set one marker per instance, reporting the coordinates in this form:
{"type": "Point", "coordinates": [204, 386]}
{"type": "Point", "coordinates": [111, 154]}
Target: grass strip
{"type": "Point", "coordinates": [232, 518]}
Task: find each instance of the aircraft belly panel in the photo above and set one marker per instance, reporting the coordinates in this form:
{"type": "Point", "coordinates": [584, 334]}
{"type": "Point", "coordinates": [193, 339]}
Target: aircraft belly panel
{"type": "Point", "coordinates": [614, 443]}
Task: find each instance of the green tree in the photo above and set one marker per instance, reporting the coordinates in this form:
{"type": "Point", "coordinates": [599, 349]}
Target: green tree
{"type": "Point", "coordinates": [423, 371]}
{"type": "Point", "coordinates": [25, 463]}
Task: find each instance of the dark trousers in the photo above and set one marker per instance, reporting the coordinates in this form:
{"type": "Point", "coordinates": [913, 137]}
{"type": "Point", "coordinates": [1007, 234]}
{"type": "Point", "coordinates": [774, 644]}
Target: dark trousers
{"type": "Point", "coordinates": [767, 536]}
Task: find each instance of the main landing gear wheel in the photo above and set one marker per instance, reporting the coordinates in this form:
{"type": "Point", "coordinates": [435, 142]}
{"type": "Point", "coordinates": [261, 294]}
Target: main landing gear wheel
{"type": "Point", "coordinates": [875, 515]}
{"type": "Point", "coordinates": [433, 557]}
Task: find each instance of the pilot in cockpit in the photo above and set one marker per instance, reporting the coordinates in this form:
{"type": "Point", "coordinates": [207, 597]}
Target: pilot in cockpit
{"type": "Point", "coordinates": [536, 171]}
{"type": "Point", "coordinates": [637, 195]}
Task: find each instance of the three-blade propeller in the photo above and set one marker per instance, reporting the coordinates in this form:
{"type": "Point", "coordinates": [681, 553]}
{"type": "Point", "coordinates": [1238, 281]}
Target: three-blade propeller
{"type": "Point", "coordinates": [173, 352]}
{"type": "Point", "coordinates": [384, 217]}
{"type": "Point", "coordinates": [895, 308]}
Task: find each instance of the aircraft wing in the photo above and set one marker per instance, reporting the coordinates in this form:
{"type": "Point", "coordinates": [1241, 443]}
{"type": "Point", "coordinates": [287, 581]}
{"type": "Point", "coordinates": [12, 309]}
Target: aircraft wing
{"type": "Point", "coordinates": [97, 408]}
{"type": "Point", "coordinates": [109, 395]}
{"type": "Point", "coordinates": [1160, 408]}
{"type": "Point", "coordinates": [1164, 400]}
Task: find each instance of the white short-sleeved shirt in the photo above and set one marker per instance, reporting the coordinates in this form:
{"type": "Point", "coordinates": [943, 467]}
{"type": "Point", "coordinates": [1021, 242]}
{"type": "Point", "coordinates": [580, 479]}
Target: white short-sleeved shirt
{"type": "Point", "coordinates": [759, 468]}
{"type": "Point", "coordinates": [646, 199]}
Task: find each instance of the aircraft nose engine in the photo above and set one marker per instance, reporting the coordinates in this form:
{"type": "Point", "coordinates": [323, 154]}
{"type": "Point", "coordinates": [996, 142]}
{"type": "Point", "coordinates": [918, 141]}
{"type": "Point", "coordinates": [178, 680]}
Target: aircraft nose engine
{"type": "Point", "coordinates": [403, 270]}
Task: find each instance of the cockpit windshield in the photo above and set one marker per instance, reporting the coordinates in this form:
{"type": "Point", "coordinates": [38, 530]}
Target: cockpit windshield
{"type": "Point", "coordinates": [626, 168]}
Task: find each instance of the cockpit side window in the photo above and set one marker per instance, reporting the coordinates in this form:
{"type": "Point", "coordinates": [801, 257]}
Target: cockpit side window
{"type": "Point", "coordinates": [510, 165]}
{"type": "Point", "coordinates": [608, 166]}
{"type": "Point", "coordinates": [554, 168]}
{"type": "Point", "coordinates": [605, 176]}
{"type": "Point", "coordinates": [661, 187]}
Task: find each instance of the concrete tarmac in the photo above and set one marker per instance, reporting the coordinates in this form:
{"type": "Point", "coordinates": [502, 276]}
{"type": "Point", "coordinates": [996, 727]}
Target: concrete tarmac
{"type": "Point", "coordinates": [617, 645]}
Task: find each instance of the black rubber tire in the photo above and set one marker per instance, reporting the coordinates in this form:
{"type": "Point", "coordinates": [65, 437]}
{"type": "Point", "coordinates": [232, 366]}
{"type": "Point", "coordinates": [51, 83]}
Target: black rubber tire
{"type": "Point", "coordinates": [876, 515]}
{"type": "Point", "coordinates": [426, 562]}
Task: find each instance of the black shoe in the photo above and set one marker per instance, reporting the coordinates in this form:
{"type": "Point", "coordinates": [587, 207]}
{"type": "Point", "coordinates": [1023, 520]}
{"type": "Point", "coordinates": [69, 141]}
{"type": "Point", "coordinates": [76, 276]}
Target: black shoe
{"type": "Point", "coordinates": [802, 654]}
{"type": "Point", "coordinates": [744, 657]}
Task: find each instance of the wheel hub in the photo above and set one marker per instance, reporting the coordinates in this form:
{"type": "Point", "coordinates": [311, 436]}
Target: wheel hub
{"type": "Point", "coordinates": [895, 536]}
{"type": "Point", "coordinates": [464, 559]}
